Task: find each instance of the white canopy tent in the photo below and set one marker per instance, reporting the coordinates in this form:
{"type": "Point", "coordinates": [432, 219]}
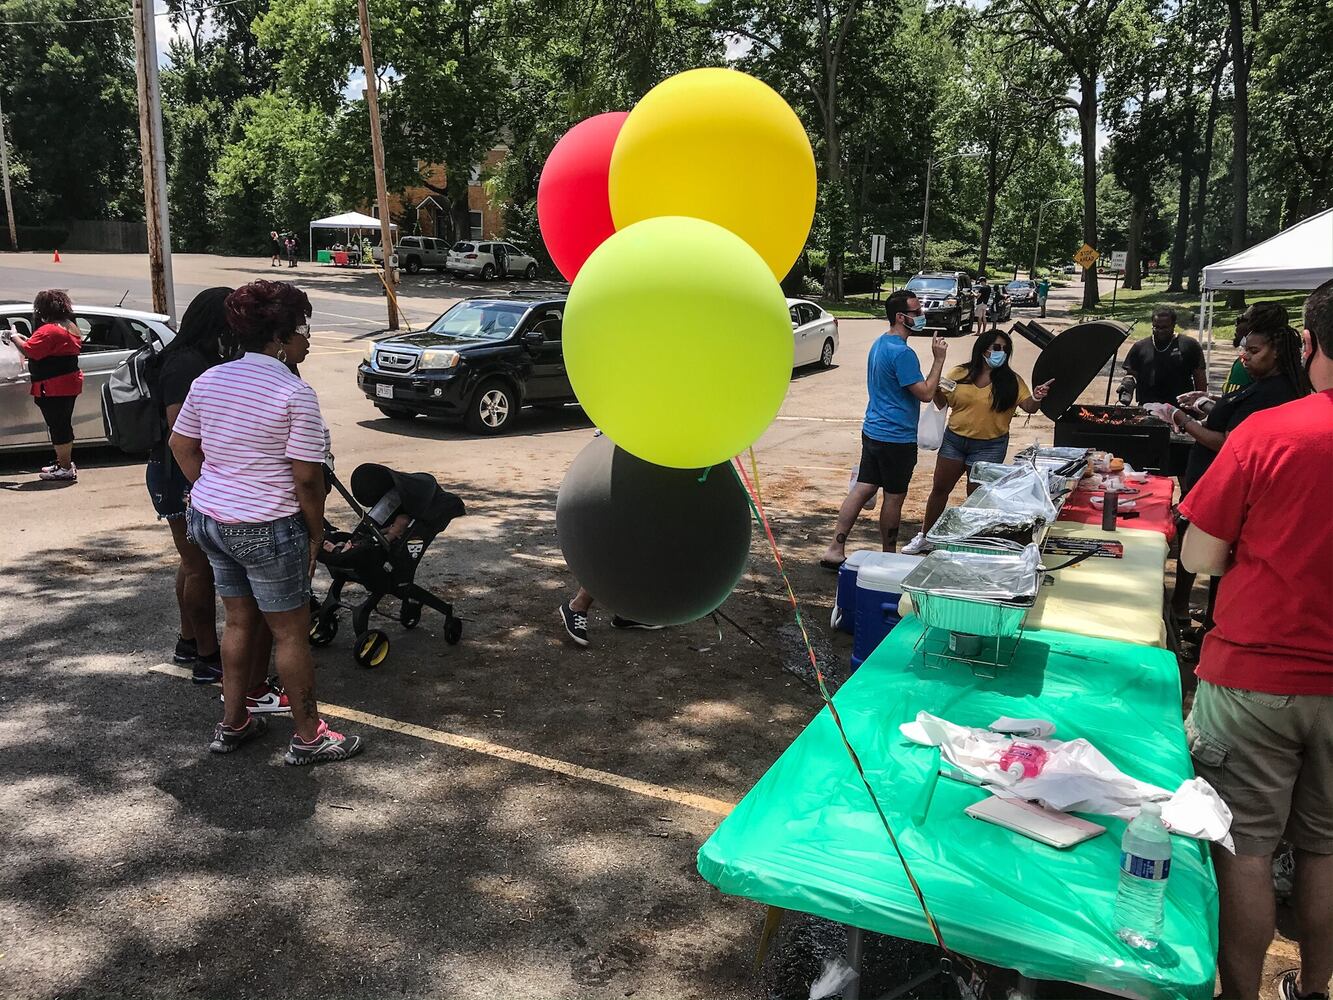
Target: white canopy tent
{"type": "Point", "coordinates": [348, 221]}
{"type": "Point", "coordinates": [1295, 259]}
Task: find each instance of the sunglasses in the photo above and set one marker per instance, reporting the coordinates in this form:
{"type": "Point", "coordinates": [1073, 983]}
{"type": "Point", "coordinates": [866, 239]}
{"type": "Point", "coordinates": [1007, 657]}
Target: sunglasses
{"type": "Point", "coordinates": [303, 331]}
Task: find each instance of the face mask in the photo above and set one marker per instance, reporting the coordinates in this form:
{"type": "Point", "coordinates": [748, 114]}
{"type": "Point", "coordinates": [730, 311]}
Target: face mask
{"type": "Point", "coordinates": [995, 358]}
{"type": "Point", "coordinates": [915, 323]}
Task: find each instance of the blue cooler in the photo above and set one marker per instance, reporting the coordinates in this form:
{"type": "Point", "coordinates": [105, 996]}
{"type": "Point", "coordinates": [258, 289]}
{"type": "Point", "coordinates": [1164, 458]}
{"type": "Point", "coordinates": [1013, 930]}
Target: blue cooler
{"type": "Point", "coordinates": [844, 604]}
{"type": "Point", "coordinates": [879, 586]}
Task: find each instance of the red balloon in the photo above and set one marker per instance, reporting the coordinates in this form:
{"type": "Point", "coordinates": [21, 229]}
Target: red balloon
{"type": "Point", "coordinates": [573, 207]}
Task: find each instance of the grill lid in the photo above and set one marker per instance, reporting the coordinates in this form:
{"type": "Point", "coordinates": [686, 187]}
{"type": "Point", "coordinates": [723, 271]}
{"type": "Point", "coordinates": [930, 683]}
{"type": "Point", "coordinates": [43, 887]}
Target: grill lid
{"type": "Point", "coordinates": [1073, 358]}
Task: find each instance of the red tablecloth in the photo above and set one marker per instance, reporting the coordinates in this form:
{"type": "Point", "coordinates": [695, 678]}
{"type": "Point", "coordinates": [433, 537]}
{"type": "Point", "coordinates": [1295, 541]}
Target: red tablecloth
{"type": "Point", "coordinates": [1152, 503]}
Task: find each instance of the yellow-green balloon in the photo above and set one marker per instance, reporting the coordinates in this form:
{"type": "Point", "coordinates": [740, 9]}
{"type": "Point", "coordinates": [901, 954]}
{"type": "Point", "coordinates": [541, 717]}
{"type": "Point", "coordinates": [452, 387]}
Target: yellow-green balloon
{"type": "Point", "coordinates": [678, 342]}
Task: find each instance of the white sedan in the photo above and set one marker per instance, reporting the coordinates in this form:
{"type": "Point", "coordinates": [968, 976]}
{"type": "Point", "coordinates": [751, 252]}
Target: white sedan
{"type": "Point", "coordinates": [110, 335]}
{"type": "Point", "coordinates": [815, 332]}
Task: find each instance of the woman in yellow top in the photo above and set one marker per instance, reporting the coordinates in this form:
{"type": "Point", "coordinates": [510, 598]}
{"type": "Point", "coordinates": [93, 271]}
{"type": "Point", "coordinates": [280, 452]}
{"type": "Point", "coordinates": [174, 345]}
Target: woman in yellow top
{"type": "Point", "coordinates": [986, 394]}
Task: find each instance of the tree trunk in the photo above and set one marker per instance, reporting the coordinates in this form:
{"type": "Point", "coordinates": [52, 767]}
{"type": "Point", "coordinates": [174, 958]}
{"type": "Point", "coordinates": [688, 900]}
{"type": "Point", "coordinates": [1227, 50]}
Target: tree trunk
{"type": "Point", "coordinates": [1240, 130]}
{"type": "Point", "coordinates": [1087, 118]}
{"type": "Point", "coordinates": [1180, 242]}
{"type": "Point", "coordinates": [835, 208]}
{"type": "Point", "coordinates": [1201, 197]}
{"type": "Point", "coordinates": [988, 218]}
{"type": "Point", "coordinates": [1138, 216]}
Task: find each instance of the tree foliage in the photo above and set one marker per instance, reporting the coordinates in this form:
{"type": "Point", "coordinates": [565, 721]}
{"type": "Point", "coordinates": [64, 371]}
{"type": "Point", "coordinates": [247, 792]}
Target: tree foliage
{"type": "Point", "coordinates": [1115, 120]}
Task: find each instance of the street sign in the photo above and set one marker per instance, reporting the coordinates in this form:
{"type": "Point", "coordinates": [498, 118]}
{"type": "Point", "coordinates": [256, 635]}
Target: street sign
{"type": "Point", "coordinates": [897, 265]}
{"type": "Point", "coordinates": [1086, 256]}
{"type": "Point", "coordinates": [877, 242]}
{"type": "Point", "coordinates": [1118, 259]}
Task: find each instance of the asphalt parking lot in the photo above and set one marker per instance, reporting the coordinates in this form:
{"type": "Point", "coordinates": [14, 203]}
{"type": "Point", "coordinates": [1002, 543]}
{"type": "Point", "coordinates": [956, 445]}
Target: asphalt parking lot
{"type": "Point", "coordinates": [525, 820]}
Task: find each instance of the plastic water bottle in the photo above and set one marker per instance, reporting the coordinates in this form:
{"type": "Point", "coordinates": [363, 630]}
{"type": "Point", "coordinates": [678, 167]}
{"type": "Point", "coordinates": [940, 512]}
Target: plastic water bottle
{"type": "Point", "coordinates": [1145, 865]}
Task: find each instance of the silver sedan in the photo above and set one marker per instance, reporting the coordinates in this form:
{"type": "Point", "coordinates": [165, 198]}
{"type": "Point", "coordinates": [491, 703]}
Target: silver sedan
{"type": "Point", "coordinates": [110, 335]}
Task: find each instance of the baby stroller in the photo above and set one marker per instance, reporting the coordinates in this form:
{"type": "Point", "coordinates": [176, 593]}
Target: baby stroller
{"type": "Point", "coordinates": [402, 514]}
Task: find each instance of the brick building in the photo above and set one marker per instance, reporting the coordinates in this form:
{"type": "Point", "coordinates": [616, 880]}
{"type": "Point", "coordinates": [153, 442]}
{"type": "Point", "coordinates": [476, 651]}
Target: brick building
{"type": "Point", "coordinates": [420, 210]}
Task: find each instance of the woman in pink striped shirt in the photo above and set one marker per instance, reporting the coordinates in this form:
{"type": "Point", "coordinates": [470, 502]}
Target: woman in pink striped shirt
{"type": "Point", "coordinates": [251, 439]}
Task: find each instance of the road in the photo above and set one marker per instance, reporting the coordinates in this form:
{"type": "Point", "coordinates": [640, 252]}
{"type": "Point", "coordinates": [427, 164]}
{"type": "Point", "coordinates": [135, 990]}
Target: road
{"type": "Point", "coordinates": [525, 820]}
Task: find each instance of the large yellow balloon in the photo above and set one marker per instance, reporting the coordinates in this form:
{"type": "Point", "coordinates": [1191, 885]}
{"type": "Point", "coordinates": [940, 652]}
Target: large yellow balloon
{"type": "Point", "coordinates": [678, 342]}
{"type": "Point", "coordinates": [719, 145]}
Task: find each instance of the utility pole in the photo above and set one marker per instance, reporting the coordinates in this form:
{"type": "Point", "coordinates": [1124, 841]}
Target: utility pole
{"type": "Point", "coordinates": [154, 156]}
{"type": "Point", "coordinates": [4, 177]}
{"type": "Point", "coordinates": [377, 148]}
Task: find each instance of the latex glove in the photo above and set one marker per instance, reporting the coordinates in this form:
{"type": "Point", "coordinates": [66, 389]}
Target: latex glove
{"type": "Point", "coordinates": [1164, 412]}
{"type": "Point", "coordinates": [1040, 392]}
{"type": "Point", "coordinates": [1199, 402]}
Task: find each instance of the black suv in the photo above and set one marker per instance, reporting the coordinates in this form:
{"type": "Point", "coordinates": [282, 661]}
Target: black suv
{"type": "Point", "coordinates": [481, 360]}
{"type": "Point", "coordinates": [948, 299]}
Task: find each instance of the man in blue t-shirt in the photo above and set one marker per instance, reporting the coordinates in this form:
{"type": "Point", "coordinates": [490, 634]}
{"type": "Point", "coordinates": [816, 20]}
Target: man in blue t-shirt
{"type": "Point", "coordinates": [888, 437]}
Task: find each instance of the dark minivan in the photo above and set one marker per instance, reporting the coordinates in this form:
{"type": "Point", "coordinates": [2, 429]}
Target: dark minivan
{"type": "Point", "coordinates": [481, 360]}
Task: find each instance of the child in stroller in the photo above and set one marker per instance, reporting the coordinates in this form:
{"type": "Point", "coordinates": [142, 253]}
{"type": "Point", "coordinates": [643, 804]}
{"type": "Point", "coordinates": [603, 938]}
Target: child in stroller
{"type": "Point", "coordinates": [401, 516]}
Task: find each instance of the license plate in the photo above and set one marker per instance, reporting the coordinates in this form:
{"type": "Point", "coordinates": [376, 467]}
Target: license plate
{"type": "Point", "coordinates": [384, 391]}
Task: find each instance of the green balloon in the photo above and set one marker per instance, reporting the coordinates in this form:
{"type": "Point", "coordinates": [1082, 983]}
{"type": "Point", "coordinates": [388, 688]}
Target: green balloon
{"type": "Point", "coordinates": [678, 342]}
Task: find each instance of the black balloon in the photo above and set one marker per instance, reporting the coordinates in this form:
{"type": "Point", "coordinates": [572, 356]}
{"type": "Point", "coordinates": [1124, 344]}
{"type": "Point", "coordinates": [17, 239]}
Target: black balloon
{"type": "Point", "coordinates": [653, 544]}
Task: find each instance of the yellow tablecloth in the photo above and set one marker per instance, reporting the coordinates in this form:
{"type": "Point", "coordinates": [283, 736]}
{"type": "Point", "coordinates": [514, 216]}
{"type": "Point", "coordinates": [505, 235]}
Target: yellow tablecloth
{"type": "Point", "coordinates": [1119, 599]}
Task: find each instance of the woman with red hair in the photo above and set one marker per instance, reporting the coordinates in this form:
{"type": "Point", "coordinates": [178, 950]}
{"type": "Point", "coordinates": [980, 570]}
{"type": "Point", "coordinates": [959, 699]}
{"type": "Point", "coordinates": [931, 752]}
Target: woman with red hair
{"type": "Point", "coordinates": [251, 439]}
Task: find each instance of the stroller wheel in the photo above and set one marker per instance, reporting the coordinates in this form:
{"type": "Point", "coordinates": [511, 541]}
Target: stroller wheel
{"type": "Point", "coordinates": [323, 630]}
{"type": "Point", "coordinates": [453, 631]}
{"type": "Point", "coordinates": [372, 648]}
{"type": "Point", "coordinates": [410, 614]}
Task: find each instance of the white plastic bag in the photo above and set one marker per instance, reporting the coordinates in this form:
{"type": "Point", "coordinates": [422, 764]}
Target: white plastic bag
{"type": "Point", "coordinates": [11, 362]}
{"type": "Point", "coordinates": [1077, 777]}
{"type": "Point", "coordinates": [930, 428]}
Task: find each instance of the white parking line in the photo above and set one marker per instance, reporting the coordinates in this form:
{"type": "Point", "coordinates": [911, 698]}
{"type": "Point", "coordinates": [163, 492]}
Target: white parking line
{"type": "Point", "coordinates": [663, 793]}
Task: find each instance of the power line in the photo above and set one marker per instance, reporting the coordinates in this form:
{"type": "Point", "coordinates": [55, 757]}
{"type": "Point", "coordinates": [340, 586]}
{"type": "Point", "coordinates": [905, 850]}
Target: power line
{"type": "Point", "coordinates": [117, 17]}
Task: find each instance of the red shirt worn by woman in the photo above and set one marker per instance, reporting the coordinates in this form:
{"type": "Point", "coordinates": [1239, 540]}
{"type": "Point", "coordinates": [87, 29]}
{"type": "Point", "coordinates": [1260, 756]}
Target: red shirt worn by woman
{"type": "Point", "coordinates": [51, 341]}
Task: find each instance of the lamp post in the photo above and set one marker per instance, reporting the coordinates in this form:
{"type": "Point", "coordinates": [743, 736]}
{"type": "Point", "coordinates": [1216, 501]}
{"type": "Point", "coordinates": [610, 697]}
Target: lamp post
{"type": "Point", "coordinates": [1037, 242]}
{"type": "Point", "coordinates": [925, 212]}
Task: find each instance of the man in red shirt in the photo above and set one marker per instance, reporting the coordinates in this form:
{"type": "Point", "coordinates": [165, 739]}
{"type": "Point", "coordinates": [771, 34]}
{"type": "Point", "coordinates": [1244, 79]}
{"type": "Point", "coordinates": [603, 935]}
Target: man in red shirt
{"type": "Point", "coordinates": [1261, 731]}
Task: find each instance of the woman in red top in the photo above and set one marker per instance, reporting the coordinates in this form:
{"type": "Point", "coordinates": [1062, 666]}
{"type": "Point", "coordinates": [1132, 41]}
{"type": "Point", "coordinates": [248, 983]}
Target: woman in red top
{"type": "Point", "coordinates": [53, 365]}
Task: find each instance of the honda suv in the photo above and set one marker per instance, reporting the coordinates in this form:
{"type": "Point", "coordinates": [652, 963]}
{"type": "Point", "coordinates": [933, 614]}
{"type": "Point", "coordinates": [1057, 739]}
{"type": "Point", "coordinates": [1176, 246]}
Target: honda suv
{"type": "Point", "coordinates": [948, 300]}
{"type": "Point", "coordinates": [482, 360]}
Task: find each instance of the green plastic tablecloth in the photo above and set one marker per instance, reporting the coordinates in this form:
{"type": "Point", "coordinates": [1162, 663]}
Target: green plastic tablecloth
{"type": "Point", "coordinates": [807, 838]}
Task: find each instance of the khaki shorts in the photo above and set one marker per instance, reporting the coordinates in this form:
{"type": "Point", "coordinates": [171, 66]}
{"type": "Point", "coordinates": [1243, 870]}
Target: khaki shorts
{"type": "Point", "coordinates": [1270, 757]}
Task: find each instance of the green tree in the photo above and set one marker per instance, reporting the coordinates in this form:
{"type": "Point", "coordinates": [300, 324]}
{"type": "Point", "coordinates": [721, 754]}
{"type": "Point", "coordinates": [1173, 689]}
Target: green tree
{"type": "Point", "coordinates": [69, 97]}
{"type": "Point", "coordinates": [1293, 73]}
{"type": "Point", "coordinates": [1084, 34]}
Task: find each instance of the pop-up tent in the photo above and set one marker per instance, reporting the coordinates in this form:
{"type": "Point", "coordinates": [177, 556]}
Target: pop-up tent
{"type": "Point", "coordinates": [1294, 260]}
{"type": "Point", "coordinates": [349, 221]}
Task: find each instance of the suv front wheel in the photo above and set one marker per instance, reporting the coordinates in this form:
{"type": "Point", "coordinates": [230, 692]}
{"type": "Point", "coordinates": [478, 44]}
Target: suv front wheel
{"type": "Point", "coordinates": [413, 265]}
{"type": "Point", "coordinates": [492, 408]}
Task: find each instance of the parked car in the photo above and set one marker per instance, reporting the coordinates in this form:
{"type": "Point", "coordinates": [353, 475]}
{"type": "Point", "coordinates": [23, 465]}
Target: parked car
{"type": "Point", "coordinates": [482, 360]}
{"type": "Point", "coordinates": [1071, 269]}
{"type": "Point", "coordinates": [110, 335]}
{"type": "Point", "coordinates": [417, 252]}
{"type": "Point", "coordinates": [1022, 292]}
{"type": "Point", "coordinates": [816, 334]}
{"type": "Point", "coordinates": [948, 299]}
{"type": "Point", "coordinates": [479, 258]}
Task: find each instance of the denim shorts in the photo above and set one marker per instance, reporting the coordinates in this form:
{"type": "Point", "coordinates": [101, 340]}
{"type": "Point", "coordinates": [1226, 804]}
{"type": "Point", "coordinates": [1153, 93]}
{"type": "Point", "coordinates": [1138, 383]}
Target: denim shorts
{"type": "Point", "coordinates": [167, 488]}
{"type": "Point", "coordinates": [969, 450]}
{"type": "Point", "coordinates": [267, 561]}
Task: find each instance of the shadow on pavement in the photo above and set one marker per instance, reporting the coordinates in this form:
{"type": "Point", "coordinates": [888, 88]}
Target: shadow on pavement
{"type": "Point", "coordinates": [137, 864]}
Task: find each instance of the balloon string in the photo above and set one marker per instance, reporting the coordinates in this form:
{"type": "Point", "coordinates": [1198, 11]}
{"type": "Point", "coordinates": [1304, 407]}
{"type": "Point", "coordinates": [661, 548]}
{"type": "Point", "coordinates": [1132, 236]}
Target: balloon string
{"type": "Point", "coordinates": [755, 499]}
{"type": "Point", "coordinates": [704, 478]}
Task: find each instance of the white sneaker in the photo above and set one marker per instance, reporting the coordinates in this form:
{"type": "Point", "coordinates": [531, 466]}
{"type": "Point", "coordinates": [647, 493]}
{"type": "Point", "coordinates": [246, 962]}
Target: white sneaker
{"type": "Point", "coordinates": [918, 546]}
{"type": "Point", "coordinates": [59, 475]}
{"type": "Point", "coordinates": [50, 468]}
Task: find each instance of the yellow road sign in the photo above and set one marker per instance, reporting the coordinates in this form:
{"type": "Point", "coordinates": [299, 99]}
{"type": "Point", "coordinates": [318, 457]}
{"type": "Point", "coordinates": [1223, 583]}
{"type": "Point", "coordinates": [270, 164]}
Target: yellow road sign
{"type": "Point", "coordinates": [1086, 256]}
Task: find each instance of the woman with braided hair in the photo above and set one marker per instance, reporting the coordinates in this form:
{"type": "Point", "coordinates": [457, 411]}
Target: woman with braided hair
{"type": "Point", "coordinates": [1271, 354]}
